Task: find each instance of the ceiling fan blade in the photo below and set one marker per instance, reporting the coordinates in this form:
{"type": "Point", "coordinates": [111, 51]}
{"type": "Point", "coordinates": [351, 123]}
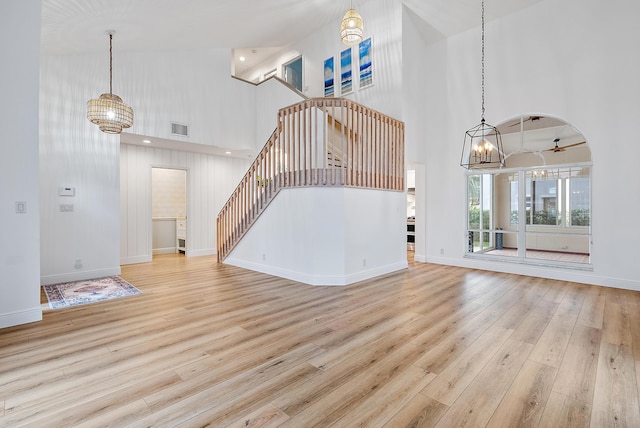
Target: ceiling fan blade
{"type": "Point", "coordinates": [573, 145]}
{"type": "Point", "coordinates": [563, 148]}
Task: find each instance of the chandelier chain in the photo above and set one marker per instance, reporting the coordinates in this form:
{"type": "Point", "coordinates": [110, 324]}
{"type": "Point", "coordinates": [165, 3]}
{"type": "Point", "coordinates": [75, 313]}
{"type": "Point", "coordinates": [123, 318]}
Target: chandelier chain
{"type": "Point", "coordinates": [482, 60]}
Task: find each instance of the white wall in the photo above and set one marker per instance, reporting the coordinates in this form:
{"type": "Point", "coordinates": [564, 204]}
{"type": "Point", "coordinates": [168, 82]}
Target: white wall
{"type": "Point", "coordinates": [416, 85]}
{"type": "Point", "coordinates": [19, 80]}
{"type": "Point", "coordinates": [383, 22]}
{"type": "Point", "coordinates": [271, 96]}
{"type": "Point", "coordinates": [161, 87]}
{"type": "Point", "coordinates": [563, 59]}
{"type": "Point", "coordinates": [322, 236]}
{"type": "Point", "coordinates": [75, 153]}
{"type": "Point", "coordinates": [210, 181]}
{"type": "Point", "coordinates": [192, 88]}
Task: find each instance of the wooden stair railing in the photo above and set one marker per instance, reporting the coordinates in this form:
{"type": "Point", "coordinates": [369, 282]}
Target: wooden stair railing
{"type": "Point", "coordinates": [318, 142]}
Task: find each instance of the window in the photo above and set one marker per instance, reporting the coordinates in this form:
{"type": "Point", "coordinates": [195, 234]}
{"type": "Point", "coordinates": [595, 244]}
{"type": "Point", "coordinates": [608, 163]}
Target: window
{"type": "Point", "coordinates": [480, 212]}
{"type": "Point", "coordinates": [555, 197]}
{"type": "Point", "coordinates": [579, 191]}
{"type": "Point", "coordinates": [536, 209]}
{"type": "Point", "coordinates": [292, 73]}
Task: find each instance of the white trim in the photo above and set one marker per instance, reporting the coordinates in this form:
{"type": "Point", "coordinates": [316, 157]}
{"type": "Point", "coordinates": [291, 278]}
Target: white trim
{"type": "Point", "coordinates": [557, 273]}
{"type": "Point", "coordinates": [168, 250]}
{"type": "Point", "coordinates": [79, 276]}
{"type": "Point", "coordinates": [201, 252]}
{"type": "Point", "coordinates": [420, 258]}
{"type": "Point", "coordinates": [378, 271]}
{"type": "Point", "coordinates": [318, 280]}
{"type": "Point", "coordinates": [21, 317]}
{"type": "Point", "coordinates": [134, 260]}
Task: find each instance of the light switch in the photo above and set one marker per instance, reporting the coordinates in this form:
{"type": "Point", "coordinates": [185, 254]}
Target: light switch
{"type": "Point", "coordinates": [21, 207]}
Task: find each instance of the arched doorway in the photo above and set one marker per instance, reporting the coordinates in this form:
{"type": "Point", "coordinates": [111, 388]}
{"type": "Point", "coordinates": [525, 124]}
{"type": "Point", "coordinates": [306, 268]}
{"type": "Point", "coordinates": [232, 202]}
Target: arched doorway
{"type": "Point", "coordinates": [537, 208]}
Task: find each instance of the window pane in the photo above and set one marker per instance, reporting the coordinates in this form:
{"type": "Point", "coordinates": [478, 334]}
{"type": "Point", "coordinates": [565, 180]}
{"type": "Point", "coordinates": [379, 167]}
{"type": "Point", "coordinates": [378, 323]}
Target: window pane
{"type": "Point", "coordinates": [544, 198]}
{"type": "Point", "coordinates": [474, 201]}
{"type": "Point", "coordinates": [513, 208]}
{"type": "Point", "coordinates": [579, 201]}
{"type": "Point", "coordinates": [528, 200]}
{"type": "Point", "coordinates": [486, 240]}
{"type": "Point", "coordinates": [487, 197]}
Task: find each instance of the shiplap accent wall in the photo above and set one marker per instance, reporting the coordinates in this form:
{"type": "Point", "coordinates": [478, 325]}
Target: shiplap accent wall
{"type": "Point", "coordinates": [80, 243]}
{"type": "Point", "coordinates": [210, 181]}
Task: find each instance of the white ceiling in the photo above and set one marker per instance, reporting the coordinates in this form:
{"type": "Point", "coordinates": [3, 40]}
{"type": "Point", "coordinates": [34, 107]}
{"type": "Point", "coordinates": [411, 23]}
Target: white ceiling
{"type": "Point", "coordinates": [78, 26]}
{"type": "Point", "coordinates": [263, 26]}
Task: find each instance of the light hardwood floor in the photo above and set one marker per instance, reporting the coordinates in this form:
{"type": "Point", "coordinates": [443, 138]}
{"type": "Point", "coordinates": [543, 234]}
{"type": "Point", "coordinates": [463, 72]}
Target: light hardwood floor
{"type": "Point", "coordinates": [215, 345]}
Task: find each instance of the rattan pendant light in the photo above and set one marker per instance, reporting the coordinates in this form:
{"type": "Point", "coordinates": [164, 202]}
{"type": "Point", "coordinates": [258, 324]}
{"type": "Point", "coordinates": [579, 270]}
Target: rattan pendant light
{"type": "Point", "coordinates": [108, 111]}
{"type": "Point", "coordinates": [352, 28]}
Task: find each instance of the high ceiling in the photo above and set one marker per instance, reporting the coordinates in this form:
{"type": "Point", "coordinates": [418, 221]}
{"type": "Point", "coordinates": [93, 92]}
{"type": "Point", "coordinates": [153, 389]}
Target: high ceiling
{"type": "Point", "coordinates": [253, 28]}
{"type": "Point", "coordinates": [78, 26]}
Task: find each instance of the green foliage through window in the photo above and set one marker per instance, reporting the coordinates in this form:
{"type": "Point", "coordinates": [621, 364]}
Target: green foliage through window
{"type": "Point", "coordinates": [474, 218]}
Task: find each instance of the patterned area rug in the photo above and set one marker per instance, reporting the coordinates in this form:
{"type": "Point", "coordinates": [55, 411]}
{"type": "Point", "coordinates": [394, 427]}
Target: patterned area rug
{"type": "Point", "coordinates": [76, 293]}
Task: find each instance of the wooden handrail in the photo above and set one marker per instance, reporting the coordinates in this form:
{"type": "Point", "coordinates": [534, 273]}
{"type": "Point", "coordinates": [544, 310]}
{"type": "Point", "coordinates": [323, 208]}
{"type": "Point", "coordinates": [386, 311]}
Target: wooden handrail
{"type": "Point", "coordinates": [318, 142]}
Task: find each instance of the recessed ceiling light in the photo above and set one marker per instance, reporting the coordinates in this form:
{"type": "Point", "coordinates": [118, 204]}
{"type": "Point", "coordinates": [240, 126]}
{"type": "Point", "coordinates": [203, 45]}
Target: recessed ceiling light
{"type": "Point", "coordinates": [227, 152]}
{"type": "Point", "coordinates": [146, 141]}
{"type": "Point", "coordinates": [242, 58]}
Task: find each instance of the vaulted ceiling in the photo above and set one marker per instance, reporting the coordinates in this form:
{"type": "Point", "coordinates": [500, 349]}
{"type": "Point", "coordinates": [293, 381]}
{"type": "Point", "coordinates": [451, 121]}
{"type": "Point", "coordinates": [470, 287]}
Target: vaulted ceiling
{"type": "Point", "coordinates": [78, 26]}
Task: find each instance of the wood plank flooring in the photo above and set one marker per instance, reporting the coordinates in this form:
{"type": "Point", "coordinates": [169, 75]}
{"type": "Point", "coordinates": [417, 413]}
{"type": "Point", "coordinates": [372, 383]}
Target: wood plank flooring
{"type": "Point", "coordinates": [430, 346]}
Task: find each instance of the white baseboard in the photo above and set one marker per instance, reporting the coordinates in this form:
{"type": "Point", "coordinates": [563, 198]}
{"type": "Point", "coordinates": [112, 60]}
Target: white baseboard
{"type": "Point", "coordinates": [580, 276]}
{"type": "Point", "coordinates": [419, 258]}
{"type": "Point", "coordinates": [148, 258]}
{"type": "Point", "coordinates": [322, 280]}
{"type": "Point", "coordinates": [79, 276]}
{"type": "Point", "coordinates": [377, 271]}
{"type": "Point", "coordinates": [203, 252]}
{"type": "Point", "coordinates": [134, 260]}
{"type": "Point", "coordinates": [21, 317]}
{"type": "Point", "coordinates": [168, 250]}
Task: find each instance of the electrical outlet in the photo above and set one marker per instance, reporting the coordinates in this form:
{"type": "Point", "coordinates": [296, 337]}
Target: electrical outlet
{"type": "Point", "coordinates": [66, 208]}
{"type": "Point", "coordinates": [442, 251]}
{"type": "Point", "coordinates": [364, 262]}
{"type": "Point", "coordinates": [264, 257]}
{"type": "Point", "coordinates": [78, 264]}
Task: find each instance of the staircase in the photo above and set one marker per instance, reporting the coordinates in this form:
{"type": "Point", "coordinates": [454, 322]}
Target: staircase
{"type": "Point", "coordinates": [318, 142]}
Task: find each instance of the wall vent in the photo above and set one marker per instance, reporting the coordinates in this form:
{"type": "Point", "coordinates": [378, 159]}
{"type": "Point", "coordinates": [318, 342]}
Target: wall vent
{"type": "Point", "coordinates": [179, 129]}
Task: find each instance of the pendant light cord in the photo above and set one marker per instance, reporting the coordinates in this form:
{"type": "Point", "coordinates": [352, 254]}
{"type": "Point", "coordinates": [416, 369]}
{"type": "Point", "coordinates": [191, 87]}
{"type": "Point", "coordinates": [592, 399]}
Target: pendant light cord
{"type": "Point", "coordinates": [111, 65]}
{"type": "Point", "coordinates": [482, 60]}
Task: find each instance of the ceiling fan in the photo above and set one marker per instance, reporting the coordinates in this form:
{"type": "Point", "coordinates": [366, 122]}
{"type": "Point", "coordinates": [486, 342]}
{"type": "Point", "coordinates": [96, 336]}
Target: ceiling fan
{"type": "Point", "coordinates": [557, 148]}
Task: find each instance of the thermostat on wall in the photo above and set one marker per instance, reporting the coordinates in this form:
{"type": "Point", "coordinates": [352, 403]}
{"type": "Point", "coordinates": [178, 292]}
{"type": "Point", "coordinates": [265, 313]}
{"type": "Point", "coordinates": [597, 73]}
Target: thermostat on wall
{"type": "Point", "coordinates": [66, 191]}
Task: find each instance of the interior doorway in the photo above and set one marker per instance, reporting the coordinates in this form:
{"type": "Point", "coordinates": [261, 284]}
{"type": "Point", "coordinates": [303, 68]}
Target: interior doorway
{"type": "Point", "coordinates": [169, 211]}
{"type": "Point", "coordinates": [411, 210]}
